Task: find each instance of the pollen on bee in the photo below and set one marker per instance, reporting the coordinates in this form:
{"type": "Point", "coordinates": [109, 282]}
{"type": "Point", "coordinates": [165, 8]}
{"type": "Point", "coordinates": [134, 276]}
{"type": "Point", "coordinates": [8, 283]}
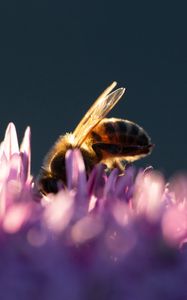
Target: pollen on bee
{"type": "Point", "coordinates": [70, 137]}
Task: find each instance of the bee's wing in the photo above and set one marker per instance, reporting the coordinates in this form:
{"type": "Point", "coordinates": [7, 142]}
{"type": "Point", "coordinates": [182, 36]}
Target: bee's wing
{"type": "Point", "coordinates": [104, 103]}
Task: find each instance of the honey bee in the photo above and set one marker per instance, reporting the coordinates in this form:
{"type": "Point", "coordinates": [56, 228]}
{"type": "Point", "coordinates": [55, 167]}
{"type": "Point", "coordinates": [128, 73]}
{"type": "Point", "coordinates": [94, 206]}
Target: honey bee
{"type": "Point", "coordinates": [111, 141]}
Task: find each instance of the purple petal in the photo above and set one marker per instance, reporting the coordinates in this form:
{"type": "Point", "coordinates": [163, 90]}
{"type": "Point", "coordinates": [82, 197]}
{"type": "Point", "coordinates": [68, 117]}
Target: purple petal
{"type": "Point", "coordinates": [75, 169]}
{"type": "Point", "coordinates": [84, 242]}
{"type": "Point", "coordinates": [96, 181]}
{"type": "Point", "coordinates": [15, 167]}
{"type": "Point", "coordinates": [110, 186]}
{"type": "Point", "coordinates": [72, 170]}
{"type": "Point", "coordinates": [81, 181]}
{"type": "Point", "coordinates": [124, 189]}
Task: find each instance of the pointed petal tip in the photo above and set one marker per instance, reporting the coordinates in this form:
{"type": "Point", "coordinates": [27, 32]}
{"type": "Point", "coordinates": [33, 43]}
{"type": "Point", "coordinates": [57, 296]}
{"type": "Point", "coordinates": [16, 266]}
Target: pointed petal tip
{"type": "Point", "coordinates": [10, 140]}
{"type": "Point", "coordinates": [28, 130]}
{"type": "Point", "coordinates": [25, 145]}
{"type": "Point", "coordinates": [10, 125]}
{"type": "Point", "coordinates": [68, 154]}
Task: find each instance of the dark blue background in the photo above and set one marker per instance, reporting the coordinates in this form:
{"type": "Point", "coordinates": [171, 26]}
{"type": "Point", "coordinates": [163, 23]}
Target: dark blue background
{"type": "Point", "coordinates": [57, 56]}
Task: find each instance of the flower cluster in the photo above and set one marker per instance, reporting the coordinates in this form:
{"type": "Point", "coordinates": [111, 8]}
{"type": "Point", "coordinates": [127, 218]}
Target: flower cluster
{"type": "Point", "coordinates": [106, 237]}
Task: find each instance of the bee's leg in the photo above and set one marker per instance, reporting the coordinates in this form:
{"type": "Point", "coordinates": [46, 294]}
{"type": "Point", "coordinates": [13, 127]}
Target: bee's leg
{"type": "Point", "coordinates": [98, 151]}
{"type": "Point", "coordinates": [109, 154]}
{"type": "Point", "coordinates": [120, 164]}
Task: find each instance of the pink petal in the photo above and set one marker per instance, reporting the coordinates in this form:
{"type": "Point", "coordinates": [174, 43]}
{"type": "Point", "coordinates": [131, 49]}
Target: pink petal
{"type": "Point", "coordinates": [86, 228]}
{"type": "Point", "coordinates": [148, 195]}
{"type": "Point", "coordinates": [4, 167]}
{"type": "Point", "coordinates": [25, 150]}
{"type": "Point", "coordinates": [10, 141]}
{"type": "Point", "coordinates": [178, 186]}
{"type": "Point", "coordinates": [174, 225]}
{"type": "Point", "coordinates": [15, 217]}
{"type": "Point", "coordinates": [59, 211]}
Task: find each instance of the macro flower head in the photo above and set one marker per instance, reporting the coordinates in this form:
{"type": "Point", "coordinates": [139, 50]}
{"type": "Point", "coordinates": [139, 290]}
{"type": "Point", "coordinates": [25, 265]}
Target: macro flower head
{"type": "Point", "coordinates": [108, 236]}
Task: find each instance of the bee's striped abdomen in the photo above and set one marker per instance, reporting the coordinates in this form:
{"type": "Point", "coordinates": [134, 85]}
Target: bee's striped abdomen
{"type": "Point", "coordinates": [119, 131]}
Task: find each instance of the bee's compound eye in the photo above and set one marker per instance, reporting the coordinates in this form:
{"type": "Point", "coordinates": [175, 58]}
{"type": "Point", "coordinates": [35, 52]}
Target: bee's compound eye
{"type": "Point", "coordinates": [48, 185]}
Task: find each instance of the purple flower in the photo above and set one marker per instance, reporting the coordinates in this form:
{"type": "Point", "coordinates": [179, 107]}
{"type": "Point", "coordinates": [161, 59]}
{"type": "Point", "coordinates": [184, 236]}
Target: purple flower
{"type": "Point", "coordinates": [106, 237]}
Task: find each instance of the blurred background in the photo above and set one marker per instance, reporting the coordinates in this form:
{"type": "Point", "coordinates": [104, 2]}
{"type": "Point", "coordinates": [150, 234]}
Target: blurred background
{"type": "Point", "coordinates": [57, 56]}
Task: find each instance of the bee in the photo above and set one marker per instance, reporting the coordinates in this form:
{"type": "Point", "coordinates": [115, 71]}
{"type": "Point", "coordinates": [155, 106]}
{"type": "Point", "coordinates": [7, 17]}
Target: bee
{"type": "Point", "coordinates": [111, 141]}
